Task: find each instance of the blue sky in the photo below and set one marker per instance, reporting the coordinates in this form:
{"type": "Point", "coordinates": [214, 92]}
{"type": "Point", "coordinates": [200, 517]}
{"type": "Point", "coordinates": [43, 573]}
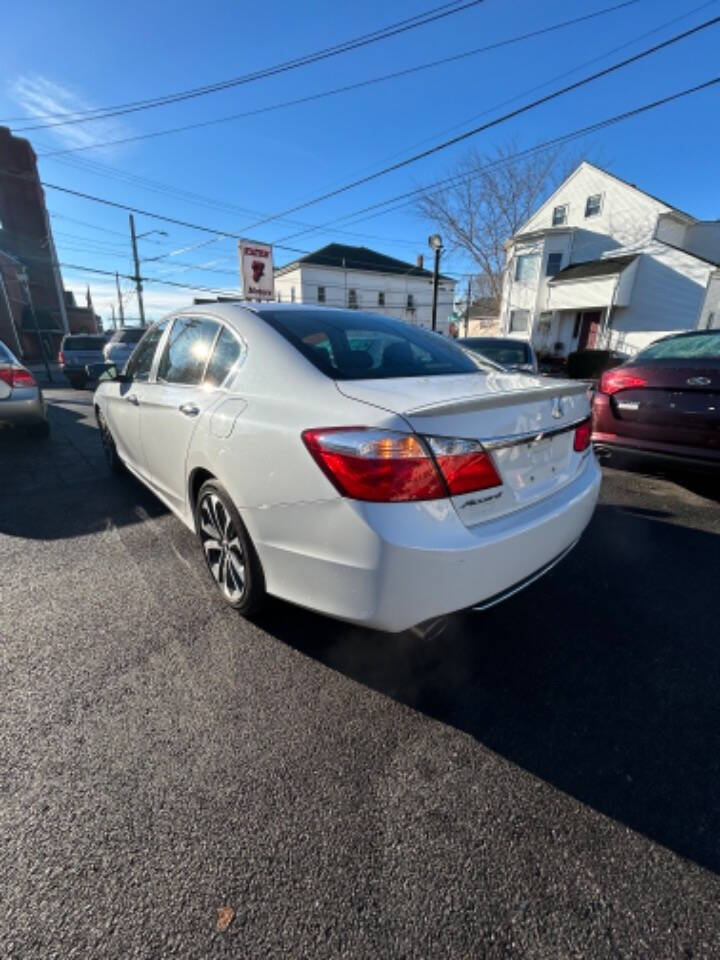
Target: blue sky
{"type": "Point", "coordinates": [79, 55]}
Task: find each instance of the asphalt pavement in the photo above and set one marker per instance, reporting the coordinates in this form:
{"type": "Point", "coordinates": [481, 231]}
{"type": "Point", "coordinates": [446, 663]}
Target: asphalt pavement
{"type": "Point", "coordinates": [542, 780]}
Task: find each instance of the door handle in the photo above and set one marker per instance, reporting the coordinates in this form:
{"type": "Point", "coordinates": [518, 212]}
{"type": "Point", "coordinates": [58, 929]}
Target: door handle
{"type": "Point", "coordinates": [132, 398]}
{"type": "Point", "coordinates": [189, 409]}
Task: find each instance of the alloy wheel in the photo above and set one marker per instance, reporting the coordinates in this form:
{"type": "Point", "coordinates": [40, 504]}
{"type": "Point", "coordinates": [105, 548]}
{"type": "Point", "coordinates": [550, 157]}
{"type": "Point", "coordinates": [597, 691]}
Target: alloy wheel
{"type": "Point", "coordinates": [223, 548]}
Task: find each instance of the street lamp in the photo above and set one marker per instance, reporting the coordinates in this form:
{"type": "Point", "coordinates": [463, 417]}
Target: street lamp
{"type": "Point", "coordinates": [436, 245]}
{"type": "Point", "coordinates": [137, 278]}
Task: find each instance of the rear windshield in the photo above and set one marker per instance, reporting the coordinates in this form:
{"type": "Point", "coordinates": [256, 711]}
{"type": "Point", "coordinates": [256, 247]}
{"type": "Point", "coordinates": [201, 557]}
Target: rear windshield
{"type": "Point", "coordinates": [128, 335]}
{"type": "Point", "coordinates": [83, 343]}
{"type": "Point", "coordinates": [5, 355]}
{"type": "Point", "coordinates": [504, 352]}
{"type": "Point", "coordinates": [355, 346]}
{"type": "Point", "coordinates": [701, 346]}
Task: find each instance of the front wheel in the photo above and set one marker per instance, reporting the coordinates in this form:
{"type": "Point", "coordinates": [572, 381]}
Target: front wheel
{"type": "Point", "coordinates": [229, 552]}
{"type": "Point", "coordinates": [109, 449]}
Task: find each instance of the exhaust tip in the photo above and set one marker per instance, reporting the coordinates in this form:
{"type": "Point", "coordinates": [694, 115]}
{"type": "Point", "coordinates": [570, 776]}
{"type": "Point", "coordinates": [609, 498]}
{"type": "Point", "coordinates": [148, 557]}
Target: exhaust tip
{"type": "Point", "coordinates": [602, 452]}
{"type": "Point", "coordinates": [430, 629]}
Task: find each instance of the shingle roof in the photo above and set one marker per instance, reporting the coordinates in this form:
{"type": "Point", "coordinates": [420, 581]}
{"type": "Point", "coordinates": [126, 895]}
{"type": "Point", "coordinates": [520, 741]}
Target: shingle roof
{"type": "Point", "coordinates": [594, 268]}
{"type": "Point", "coordinates": [359, 258]}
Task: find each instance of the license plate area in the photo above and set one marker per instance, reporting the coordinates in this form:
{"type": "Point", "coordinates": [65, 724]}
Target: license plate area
{"type": "Point", "coordinates": [533, 469]}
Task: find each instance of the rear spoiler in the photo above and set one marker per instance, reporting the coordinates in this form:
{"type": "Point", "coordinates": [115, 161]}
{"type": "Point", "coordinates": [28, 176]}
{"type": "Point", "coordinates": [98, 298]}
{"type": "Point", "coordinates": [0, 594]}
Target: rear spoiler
{"type": "Point", "coordinates": [493, 401]}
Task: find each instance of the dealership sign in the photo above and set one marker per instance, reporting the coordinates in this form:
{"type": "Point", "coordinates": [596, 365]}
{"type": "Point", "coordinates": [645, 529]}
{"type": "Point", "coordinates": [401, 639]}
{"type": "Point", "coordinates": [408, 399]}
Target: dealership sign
{"type": "Point", "coordinates": [256, 270]}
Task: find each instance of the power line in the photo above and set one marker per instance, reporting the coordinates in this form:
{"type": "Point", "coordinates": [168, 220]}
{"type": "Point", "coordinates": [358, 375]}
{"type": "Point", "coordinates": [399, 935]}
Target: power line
{"type": "Point", "coordinates": [419, 20]}
{"type": "Point", "coordinates": [168, 190]}
{"type": "Point", "coordinates": [410, 195]}
{"type": "Point", "coordinates": [546, 145]}
{"type": "Point", "coordinates": [541, 86]}
{"type": "Point", "coordinates": [486, 126]}
{"type": "Point", "coordinates": [347, 87]}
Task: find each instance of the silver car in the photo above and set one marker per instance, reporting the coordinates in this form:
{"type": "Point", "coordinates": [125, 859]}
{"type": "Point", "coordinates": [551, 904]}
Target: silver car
{"type": "Point", "coordinates": [76, 352]}
{"type": "Point", "coordinates": [121, 344]}
{"type": "Point", "coordinates": [21, 400]}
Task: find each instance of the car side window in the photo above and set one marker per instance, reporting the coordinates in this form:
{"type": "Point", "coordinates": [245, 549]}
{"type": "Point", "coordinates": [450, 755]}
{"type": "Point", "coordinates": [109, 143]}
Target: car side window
{"type": "Point", "coordinates": [224, 357]}
{"type": "Point", "coordinates": [187, 350]}
{"type": "Point", "coordinates": [141, 360]}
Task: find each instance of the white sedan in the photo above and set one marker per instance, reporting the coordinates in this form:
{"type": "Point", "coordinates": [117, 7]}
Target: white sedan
{"type": "Point", "coordinates": [351, 463]}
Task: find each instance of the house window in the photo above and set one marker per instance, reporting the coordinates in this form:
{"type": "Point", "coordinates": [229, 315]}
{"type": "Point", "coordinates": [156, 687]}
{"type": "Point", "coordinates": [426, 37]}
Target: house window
{"type": "Point", "coordinates": [381, 298]}
{"type": "Point", "coordinates": [321, 294]}
{"type": "Point", "coordinates": [560, 215]}
{"type": "Point", "coordinates": [292, 294]}
{"type": "Point", "coordinates": [526, 267]}
{"type": "Point", "coordinates": [554, 263]}
{"type": "Point", "coordinates": [519, 321]}
{"type": "Point", "coordinates": [411, 302]}
{"type": "Point", "coordinates": [593, 204]}
{"type": "Point", "coordinates": [352, 298]}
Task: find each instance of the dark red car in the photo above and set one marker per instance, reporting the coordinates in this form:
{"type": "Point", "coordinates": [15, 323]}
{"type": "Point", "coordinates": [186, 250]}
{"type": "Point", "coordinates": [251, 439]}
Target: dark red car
{"type": "Point", "coordinates": [664, 403]}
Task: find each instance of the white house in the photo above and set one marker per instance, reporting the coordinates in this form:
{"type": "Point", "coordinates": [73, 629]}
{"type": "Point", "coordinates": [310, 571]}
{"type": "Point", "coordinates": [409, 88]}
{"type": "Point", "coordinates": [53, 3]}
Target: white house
{"type": "Point", "coordinates": [602, 263]}
{"type": "Point", "coordinates": [342, 276]}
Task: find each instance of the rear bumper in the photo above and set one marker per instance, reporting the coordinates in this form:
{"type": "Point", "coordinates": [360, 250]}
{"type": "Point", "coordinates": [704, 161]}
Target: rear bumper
{"type": "Point", "coordinates": [23, 407]}
{"type": "Point", "coordinates": [611, 443]}
{"type": "Point", "coordinates": [638, 439]}
{"type": "Point", "coordinates": [392, 566]}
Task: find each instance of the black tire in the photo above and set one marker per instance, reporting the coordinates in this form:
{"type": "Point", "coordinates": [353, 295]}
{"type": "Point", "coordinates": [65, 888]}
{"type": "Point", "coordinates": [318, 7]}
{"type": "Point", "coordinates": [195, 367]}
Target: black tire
{"type": "Point", "coordinates": [233, 564]}
{"type": "Point", "coordinates": [109, 449]}
{"type": "Point", "coordinates": [39, 429]}
{"type": "Point", "coordinates": [77, 383]}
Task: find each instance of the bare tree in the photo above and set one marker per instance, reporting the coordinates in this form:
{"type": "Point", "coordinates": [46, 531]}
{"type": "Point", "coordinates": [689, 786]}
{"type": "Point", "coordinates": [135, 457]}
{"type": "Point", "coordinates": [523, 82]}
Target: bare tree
{"type": "Point", "coordinates": [490, 198]}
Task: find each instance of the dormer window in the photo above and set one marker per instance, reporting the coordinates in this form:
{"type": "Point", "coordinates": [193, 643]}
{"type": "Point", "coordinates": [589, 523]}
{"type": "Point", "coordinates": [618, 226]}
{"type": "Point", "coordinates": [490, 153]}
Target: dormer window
{"type": "Point", "coordinates": [593, 205]}
{"type": "Point", "coordinates": [560, 215]}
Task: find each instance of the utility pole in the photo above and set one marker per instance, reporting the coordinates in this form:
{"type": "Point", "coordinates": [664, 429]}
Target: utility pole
{"type": "Point", "coordinates": [112, 316]}
{"type": "Point", "coordinates": [120, 303]}
{"type": "Point", "coordinates": [467, 307]}
{"type": "Point", "coordinates": [137, 278]}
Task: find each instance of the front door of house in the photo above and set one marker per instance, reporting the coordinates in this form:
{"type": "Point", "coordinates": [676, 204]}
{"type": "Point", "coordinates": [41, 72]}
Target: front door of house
{"type": "Point", "coordinates": [589, 328]}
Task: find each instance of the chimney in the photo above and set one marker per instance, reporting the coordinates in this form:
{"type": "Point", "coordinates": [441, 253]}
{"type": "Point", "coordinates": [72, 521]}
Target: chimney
{"type": "Point", "coordinates": [420, 261]}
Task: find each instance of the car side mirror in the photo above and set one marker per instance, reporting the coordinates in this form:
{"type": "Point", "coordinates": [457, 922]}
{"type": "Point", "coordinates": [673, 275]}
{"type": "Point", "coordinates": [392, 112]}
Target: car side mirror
{"type": "Point", "coordinates": [104, 371]}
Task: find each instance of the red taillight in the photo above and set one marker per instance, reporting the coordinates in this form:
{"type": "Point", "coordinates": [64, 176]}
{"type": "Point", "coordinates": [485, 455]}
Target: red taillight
{"type": "Point", "coordinates": [582, 437]}
{"type": "Point", "coordinates": [618, 379]}
{"type": "Point", "coordinates": [464, 465]}
{"type": "Point", "coordinates": [384, 466]}
{"type": "Point", "coordinates": [17, 377]}
{"type": "Point", "coordinates": [376, 465]}
{"type": "Point", "coordinates": [61, 358]}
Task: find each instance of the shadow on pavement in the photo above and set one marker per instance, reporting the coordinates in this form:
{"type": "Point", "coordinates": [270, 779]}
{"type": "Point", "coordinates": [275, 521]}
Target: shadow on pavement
{"type": "Point", "coordinates": [704, 482]}
{"type": "Point", "coordinates": [602, 680]}
{"type": "Point", "coordinates": [60, 487]}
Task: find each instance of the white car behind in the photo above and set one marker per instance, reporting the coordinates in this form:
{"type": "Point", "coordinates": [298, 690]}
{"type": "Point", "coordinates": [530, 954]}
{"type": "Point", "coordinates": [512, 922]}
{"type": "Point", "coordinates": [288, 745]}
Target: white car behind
{"type": "Point", "coordinates": [351, 463]}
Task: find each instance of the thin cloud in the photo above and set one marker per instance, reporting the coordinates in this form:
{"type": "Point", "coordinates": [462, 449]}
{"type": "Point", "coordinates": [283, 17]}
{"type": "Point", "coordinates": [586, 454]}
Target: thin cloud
{"type": "Point", "coordinates": [40, 96]}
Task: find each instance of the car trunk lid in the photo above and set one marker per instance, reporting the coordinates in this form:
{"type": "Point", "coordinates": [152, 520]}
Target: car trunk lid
{"type": "Point", "coordinates": [681, 401]}
{"type": "Point", "coordinates": [525, 423]}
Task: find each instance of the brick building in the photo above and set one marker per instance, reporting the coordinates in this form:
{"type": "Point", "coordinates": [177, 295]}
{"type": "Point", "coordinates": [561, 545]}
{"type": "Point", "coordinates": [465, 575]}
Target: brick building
{"type": "Point", "coordinates": [31, 289]}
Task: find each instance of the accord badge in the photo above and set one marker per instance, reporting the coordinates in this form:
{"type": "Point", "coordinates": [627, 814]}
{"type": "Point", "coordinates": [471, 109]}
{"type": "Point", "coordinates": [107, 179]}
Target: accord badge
{"type": "Point", "coordinates": [699, 382]}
